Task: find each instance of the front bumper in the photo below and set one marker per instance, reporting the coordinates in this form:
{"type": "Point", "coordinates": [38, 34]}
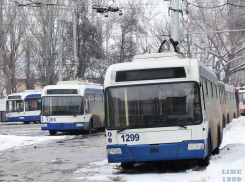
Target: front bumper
{"type": "Point", "coordinates": [65, 126]}
{"type": "Point", "coordinates": [143, 153]}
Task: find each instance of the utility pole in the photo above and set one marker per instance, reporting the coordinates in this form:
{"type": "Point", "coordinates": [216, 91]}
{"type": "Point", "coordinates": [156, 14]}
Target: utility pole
{"type": "Point", "coordinates": [174, 22]}
{"type": "Point", "coordinates": [59, 51]}
{"type": "Point", "coordinates": [1, 43]}
{"type": "Point", "coordinates": [59, 27]}
{"type": "Point", "coordinates": [74, 44]}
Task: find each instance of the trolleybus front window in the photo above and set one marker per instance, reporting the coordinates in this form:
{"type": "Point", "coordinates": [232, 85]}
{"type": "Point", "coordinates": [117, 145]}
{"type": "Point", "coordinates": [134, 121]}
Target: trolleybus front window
{"type": "Point", "coordinates": [62, 105]}
{"type": "Point", "coordinates": [159, 105]}
{"type": "Point", "coordinates": [15, 106]}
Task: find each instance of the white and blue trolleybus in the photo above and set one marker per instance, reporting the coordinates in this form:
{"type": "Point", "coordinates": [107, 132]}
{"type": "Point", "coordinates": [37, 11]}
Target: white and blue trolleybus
{"type": "Point", "coordinates": [25, 107]}
{"type": "Point", "coordinates": [161, 107]}
{"type": "Point", "coordinates": [72, 106]}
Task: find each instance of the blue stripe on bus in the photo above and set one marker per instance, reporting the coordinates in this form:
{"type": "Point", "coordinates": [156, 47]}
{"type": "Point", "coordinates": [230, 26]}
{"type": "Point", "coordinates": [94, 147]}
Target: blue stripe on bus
{"type": "Point", "coordinates": [65, 126]}
{"type": "Point", "coordinates": [142, 153]}
{"type": "Point", "coordinates": [26, 118]}
{"type": "Point", "coordinates": [93, 90]}
{"type": "Point", "coordinates": [33, 95]}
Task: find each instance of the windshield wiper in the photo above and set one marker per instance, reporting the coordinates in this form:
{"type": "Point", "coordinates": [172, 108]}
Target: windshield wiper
{"type": "Point", "coordinates": [74, 115]}
{"type": "Point", "coordinates": [122, 129]}
{"type": "Point", "coordinates": [132, 127]}
{"type": "Point", "coordinates": [180, 125]}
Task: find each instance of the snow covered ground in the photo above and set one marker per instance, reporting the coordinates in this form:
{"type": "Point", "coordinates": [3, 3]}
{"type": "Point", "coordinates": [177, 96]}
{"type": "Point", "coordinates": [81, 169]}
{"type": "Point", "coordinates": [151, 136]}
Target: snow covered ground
{"type": "Point", "coordinates": [231, 159]}
{"type": "Point", "coordinates": [13, 141]}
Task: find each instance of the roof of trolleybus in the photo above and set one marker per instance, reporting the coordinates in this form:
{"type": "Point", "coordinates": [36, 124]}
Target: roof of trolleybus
{"type": "Point", "coordinates": [193, 68]}
{"type": "Point", "coordinates": [23, 95]}
{"type": "Point", "coordinates": [75, 90]}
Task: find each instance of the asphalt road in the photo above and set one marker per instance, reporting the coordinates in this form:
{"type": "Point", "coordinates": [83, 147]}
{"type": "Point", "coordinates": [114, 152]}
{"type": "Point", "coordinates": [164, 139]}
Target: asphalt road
{"type": "Point", "coordinates": [54, 160]}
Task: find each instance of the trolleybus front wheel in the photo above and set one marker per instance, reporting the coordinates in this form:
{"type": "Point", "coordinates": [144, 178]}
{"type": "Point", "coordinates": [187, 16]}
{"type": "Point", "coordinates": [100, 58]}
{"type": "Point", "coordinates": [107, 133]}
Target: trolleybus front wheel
{"type": "Point", "coordinates": [27, 122]}
{"type": "Point", "coordinates": [51, 132]}
{"type": "Point", "coordinates": [90, 127]}
{"type": "Point", "coordinates": [127, 165]}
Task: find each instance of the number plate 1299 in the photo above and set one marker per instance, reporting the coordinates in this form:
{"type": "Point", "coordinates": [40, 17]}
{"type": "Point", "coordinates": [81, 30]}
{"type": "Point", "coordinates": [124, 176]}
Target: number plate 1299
{"type": "Point", "coordinates": [130, 137]}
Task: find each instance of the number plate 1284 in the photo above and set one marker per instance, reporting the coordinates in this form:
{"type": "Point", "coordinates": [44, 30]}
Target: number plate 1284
{"type": "Point", "coordinates": [130, 137]}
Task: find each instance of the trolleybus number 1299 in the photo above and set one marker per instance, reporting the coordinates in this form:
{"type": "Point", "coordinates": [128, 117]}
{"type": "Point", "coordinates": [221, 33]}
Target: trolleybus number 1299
{"type": "Point", "coordinates": [130, 138]}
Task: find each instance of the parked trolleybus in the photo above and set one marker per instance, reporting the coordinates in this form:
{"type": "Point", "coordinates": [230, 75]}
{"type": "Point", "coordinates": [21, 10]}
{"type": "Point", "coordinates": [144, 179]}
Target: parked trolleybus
{"type": "Point", "coordinates": [25, 107]}
{"type": "Point", "coordinates": [242, 101]}
{"type": "Point", "coordinates": [160, 107]}
{"type": "Point", "coordinates": [227, 102]}
{"type": "Point", "coordinates": [237, 101]}
{"type": "Point", "coordinates": [72, 106]}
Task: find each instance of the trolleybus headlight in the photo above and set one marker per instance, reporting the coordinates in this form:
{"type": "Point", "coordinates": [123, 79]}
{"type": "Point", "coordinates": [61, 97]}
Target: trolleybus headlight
{"type": "Point", "coordinates": [44, 125]}
{"type": "Point", "coordinates": [113, 151]}
{"type": "Point", "coordinates": [21, 117]}
{"type": "Point", "coordinates": [195, 146]}
{"type": "Point", "coordinates": [79, 124]}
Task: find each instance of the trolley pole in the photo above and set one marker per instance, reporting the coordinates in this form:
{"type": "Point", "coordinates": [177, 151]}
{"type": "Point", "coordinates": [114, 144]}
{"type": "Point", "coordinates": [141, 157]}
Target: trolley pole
{"type": "Point", "coordinates": [174, 22]}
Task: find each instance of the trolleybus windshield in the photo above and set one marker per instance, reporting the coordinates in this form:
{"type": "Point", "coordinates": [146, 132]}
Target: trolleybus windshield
{"type": "Point", "coordinates": [14, 106]}
{"type": "Point", "coordinates": [159, 105]}
{"type": "Point", "coordinates": [62, 105]}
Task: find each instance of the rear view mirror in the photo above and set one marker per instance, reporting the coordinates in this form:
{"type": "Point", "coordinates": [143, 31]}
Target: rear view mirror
{"type": "Point", "coordinates": [86, 108]}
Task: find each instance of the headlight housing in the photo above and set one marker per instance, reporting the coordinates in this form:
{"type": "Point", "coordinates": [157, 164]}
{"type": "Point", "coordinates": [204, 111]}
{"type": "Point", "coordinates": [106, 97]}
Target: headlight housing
{"type": "Point", "coordinates": [44, 125]}
{"type": "Point", "coordinates": [195, 146]}
{"type": "Point", "coordinates": [113, 151]}
{"type": "Point", "coordinates": [80, 124]}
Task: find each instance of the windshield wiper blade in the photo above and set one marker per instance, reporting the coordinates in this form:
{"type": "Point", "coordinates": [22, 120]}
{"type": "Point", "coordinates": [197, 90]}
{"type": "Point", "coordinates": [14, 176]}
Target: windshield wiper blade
{"type": "Point", "coordinates": [183, 126]}
{"type": "Point", "coordinates": [122, 129]}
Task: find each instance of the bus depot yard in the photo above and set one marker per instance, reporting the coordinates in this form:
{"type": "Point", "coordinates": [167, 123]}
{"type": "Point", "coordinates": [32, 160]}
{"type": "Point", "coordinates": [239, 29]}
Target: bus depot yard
{"type": "Point", "coordinates": [29, 154]}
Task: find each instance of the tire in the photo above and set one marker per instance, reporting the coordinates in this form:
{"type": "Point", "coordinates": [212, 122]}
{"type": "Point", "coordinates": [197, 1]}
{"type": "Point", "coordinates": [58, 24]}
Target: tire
{"type": "Point", "coordinates": [90, 128]}
{"type": "Point", "coordinates": [127, 165]}
{"type": "Point", "coordinates": [216, 150]}
{"type": "Point", "coordinates": [223, 121]}
{"type": "Point", "coordinates": [204, 162]}
{"type": "Point", "coordinates": [27, 122]}
{"type": "Point", "coordinates": [37, 122]}
{"type": "Point", "coordinates": [52, 132]}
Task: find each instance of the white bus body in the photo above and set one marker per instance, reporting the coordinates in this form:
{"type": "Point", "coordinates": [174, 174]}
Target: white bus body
{"type": "Point", "coordinates": [25, 107]}
{"type": "Point", "coordinates": [72, 106]}
{"type": "Point", "coordinates": [160, 107]}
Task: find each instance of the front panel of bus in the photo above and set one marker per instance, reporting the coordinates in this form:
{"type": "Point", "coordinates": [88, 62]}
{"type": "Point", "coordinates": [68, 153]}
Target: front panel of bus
{"type": "Point", "coordinates": [151, 122]}
{"type": "Point", "coordinates": [64, 110]}
{"type": "Point", "coordinates": [25, 110]}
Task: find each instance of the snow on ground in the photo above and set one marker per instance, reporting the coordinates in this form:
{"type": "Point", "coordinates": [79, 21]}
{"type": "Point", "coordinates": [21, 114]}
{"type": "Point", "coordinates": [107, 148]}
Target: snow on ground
{"type": "Point", "coordinates": [230, 159]}
{"type": "Point", "coordinates": [12, 141]}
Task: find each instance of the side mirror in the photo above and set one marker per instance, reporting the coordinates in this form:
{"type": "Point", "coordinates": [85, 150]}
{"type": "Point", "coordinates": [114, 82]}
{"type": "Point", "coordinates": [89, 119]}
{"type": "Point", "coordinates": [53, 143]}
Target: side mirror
{"type": "Point", "coordinates": [86, 108]}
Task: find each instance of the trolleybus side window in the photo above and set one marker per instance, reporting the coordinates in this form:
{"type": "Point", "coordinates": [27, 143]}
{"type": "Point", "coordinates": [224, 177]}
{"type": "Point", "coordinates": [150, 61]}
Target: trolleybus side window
{"type": "Point", "coordinates": [216, 90]}
{"type": "Point", "coordinates": [202, 81]}
{"type": "Point", "coordinates": [98, 98]}
{"type": "Point", "coordinates": [212, 90]}
{"type": "Point", "coordinates": [206, 85]}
